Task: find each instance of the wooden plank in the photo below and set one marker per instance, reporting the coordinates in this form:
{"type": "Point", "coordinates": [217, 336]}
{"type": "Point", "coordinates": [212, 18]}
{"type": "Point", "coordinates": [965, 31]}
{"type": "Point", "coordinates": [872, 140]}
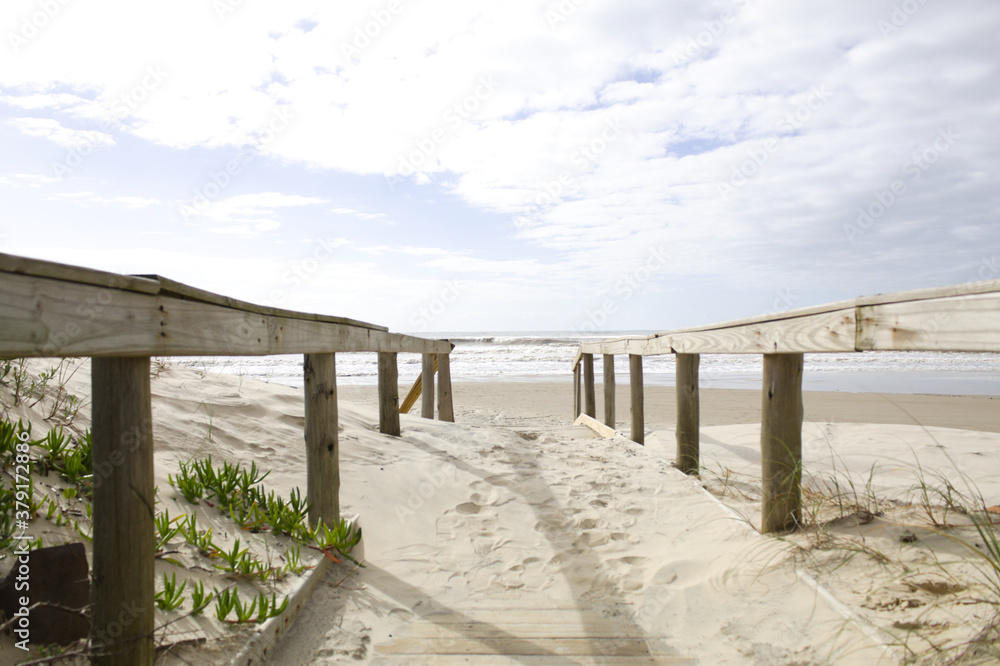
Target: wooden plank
{"type": "Point", "coordinates": [825, 332]}
{"type": "Point", "coordinates": [388, 394]}
{"type": "Point", "coordinates": [415, 391]}
{"type": "Point", "coordinates": [515, 614]}
{"type": "Point", "coordinates": [427, 386]}
{"type": "Point", "coordinates": [170, 287]}
{"type": "Point", "coordinates": [688, 416]}
{"type": "Point", "coordinates": [44, 317]}
{"type": "Point", "coordinates": [827, 328]}
{"type": "Point", "coordinates": [153, 284]}
{"type": "Point", "coordinates": [589, 396]}
{"type": "Point", "coordinates": [577, 410]}
{"type": "Point", "coordinates": [322, 426]}
{"type": "Point", "coordinates": [446, 409]}
{"type": "Point", "coordinates": [597, 426]}
{"type": "Point", "coordinates": [412, 395]}
{"type": "Point", "coordinates": [781, 442]}
{"type": "Point", "coordinates": [959, 324]}
{"type": "Point", "coordinates": [609, 390]}
{"type": "Point", "coordinates": [123, 585]}
{"type": "Point", "coordinates": [524, 630]}
{"type": "Point", "coordinates": [931, 293]}
{"type": "Point", "coordinates": [515, 646]}
{"type": "Point", "coordinates": [638, 399]}
{"type": "Point", "coordinates": [10, 263]}
{"type": "Point", "coordinates": [538, 660]}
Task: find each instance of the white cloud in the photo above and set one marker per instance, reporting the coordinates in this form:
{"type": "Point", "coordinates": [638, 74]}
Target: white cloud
{"type": "Point", "coordinates": [89, 199]}
{"type": "Point", "coordinates": [26, 180]}
{"type": "Point", "coordinates": [403, 249]}
{"type": "Point", "coordinates": [493, 105]}
{"type": "Point", "coordinates": [53, 130]}
{"type": "Point", "coordinates": [359, 214]}
{"type": "Point", "coordinates": [251, 214]}
{"type": "Point", "coordinates": [127, 202]}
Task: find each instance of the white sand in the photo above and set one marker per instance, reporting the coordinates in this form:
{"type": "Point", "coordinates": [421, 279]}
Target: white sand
{"type": "Point", "coordinates": [479, 533]}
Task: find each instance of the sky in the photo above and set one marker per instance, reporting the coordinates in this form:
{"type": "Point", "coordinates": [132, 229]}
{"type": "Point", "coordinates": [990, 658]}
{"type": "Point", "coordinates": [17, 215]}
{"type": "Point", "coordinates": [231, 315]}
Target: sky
{"type": "Point", "coordinates": [573, 165]}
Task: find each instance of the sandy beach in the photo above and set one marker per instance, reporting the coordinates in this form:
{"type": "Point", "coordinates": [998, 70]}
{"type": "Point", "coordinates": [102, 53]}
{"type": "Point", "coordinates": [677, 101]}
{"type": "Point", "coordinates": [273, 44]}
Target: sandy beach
{"type": "Point", "coordinates": [525, 402]}
{"type": "Point", "coordinates": [512, 530]}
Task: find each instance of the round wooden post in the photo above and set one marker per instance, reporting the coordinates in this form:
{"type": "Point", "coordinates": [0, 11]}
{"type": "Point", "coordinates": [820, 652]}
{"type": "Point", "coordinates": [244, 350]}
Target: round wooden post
{"type": "Point", "coordinates": [781, 442]}
{"type": "Point", "coordinates": [638, 402]}
{"type": "Point", "coordinates": [589, 397]}
{"type": "Point", "coordinates": [122, 620]}
{"type": "Point", "coordinates": [427, 387]}
{"type": "Point", "coordinates": [322, 455]}
{"type": "Point", "coordinates": [446, 410]}
{"type": "Point", "coordinates": [688, 417]}
{"type": "Point", "coordinates": [388, 394]}
{"type": "Point", "coordinates": [609, 390]}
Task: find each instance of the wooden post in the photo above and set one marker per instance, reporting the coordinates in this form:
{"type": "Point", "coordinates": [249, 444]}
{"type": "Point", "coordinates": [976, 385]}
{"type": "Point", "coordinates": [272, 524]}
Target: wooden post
{"type": "Point", "coordinates": [576, 391]}
{"type": "Point", "coordinates": [781, 442]}
{"type": "Point", "coordinates": [609, 390]}
{"type": "Point", "coordinates": [427, 387]}
{"type": "Point", "coordinates": [122, 621]}
{"type": "Point", "coordinates": [415, 391]}
{"type": "Point", "coordinates": [589, 397]}
{"type": "Point", "coordinates": [446, 410]}
{"type": "Point", "coordinates": [322, 456]}
{"type": "Point", "coordinates": [388, 394]}
{"type": "Point", "coordinates": [688, 417]}
{"type": "Point", "coordinates": [638, 413]}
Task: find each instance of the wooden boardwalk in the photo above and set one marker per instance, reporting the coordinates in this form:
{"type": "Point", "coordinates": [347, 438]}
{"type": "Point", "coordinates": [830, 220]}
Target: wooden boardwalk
{"type": "Point", "coordinates": [523, 632]}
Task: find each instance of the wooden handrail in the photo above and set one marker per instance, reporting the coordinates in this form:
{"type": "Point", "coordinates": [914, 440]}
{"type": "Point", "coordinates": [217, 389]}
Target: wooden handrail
{"type": "Point", "coordinates": [54, 310]}
{"type": "Point", "coordinates": [957, 318]}
{"type": "Point", "coordinates": [960, 318]}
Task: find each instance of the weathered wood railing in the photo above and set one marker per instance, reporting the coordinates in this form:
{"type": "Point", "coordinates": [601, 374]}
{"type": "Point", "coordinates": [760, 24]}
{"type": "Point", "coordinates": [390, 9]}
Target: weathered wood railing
{"type": "Point", "coordinates": [962, 318]}
{"type": "Point", "coordinates": [55, 310]}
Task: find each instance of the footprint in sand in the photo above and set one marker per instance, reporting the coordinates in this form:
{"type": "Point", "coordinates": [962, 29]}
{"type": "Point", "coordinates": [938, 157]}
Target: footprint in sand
{"type": "Point", "coordinates": [468, 508]}
{"type": "Point", "coordinates": [591, 523]}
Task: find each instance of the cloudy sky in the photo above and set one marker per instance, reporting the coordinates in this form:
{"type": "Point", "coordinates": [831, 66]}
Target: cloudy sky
{"type": "Point", "coordinates": [519, 165]}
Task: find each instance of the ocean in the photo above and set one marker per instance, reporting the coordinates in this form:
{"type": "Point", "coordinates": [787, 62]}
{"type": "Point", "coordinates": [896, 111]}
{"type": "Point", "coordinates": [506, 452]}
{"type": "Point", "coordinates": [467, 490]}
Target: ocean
{"type": "Point", "coordinates": [546, 356]}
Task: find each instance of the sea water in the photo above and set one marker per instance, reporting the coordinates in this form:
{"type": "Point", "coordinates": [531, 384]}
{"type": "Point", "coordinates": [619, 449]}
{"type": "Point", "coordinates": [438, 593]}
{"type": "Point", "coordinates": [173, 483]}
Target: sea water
{"type": "Point", "coordinates": [548, 356]}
